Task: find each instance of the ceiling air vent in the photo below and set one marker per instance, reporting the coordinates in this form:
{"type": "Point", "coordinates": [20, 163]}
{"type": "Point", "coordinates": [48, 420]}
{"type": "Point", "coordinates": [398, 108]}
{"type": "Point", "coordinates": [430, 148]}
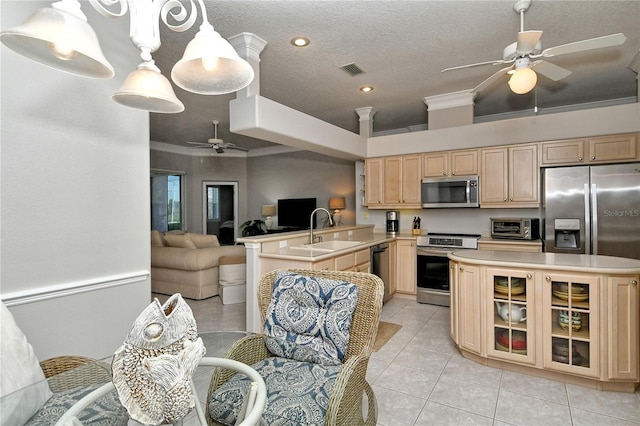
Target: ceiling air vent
{"type": "Point", "coordinates": [352, 69]}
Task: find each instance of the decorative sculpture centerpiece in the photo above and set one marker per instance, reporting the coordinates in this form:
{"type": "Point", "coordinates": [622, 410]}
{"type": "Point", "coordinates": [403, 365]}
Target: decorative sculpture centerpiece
{"type": "Point", "coordinates": [152, 370]}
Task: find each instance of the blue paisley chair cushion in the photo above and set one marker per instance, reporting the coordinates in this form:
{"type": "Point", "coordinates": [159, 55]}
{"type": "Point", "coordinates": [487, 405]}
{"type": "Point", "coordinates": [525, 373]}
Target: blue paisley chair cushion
{"type": "Point", "coordinates": [298, 393]}
{"type": "Point", "coordinates": [309, 318]}
{"type": "Point", "coordinates": [106, 411]}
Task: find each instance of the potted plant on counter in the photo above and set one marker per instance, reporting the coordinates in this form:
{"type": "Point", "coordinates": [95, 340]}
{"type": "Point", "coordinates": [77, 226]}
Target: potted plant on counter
{"type": "Point", "coordinates": [253, 227]}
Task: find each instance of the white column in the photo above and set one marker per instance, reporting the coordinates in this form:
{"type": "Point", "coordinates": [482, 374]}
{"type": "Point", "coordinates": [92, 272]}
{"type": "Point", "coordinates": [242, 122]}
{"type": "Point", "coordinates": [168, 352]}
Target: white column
{"type": "Point", "coordinates": [249, 46]}
{"type": "Point", "coordinates": [366, 120]}
{"type": "Point", "coordinates": [254, 323]}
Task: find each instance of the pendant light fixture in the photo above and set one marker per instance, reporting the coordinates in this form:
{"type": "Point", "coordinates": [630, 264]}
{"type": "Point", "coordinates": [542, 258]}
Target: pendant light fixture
{"type": "Point", "coordinates": [60, 37]}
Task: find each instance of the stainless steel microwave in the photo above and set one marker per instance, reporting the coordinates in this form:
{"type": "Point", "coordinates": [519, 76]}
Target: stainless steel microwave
{"type": "Point", "coordinates": [515, 228]}
{"type": "Point", "coordinates": [450, 192]}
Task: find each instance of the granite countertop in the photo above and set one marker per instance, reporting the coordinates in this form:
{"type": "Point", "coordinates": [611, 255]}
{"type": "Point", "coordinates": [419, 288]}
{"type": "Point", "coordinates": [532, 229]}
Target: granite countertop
{"type": "Point", "coordinates": [568, 262]}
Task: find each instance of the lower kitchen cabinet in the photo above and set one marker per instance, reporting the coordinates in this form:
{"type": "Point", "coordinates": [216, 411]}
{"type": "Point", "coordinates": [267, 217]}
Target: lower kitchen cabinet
{"type": "Point", "coordinates": [470, 309]}
{"type": "Point", "coordinates": [577, 327]}
{"type": "Point", "coordinates": [406, 266]}
{"type": "Point", "coordinates": [570, 323]}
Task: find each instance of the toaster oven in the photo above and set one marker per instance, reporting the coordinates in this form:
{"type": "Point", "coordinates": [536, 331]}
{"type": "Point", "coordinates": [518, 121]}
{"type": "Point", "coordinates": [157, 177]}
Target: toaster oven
{"type": "Point", "coordinates": [520, 228]}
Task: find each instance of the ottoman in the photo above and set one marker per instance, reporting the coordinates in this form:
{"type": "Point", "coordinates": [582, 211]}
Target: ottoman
{"type": "Point", "coordinates": [233, 279]}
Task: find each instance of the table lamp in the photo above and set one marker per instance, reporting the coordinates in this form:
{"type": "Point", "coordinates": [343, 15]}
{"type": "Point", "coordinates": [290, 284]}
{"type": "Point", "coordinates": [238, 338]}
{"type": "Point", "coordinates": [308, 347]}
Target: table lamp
{"type": "Point", "coordinates": [336, 204]}
{"type": "Point", "coordinates": [268, 210]}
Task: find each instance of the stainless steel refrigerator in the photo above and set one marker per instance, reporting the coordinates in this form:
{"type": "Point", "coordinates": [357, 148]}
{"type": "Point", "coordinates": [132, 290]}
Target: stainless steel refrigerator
{"type": "Point", "coordinates": [593, 210]}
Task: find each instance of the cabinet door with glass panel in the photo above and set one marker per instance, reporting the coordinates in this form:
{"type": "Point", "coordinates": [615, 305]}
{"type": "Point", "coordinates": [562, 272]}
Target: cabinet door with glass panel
{"type": "Point", "coordinates": [571, 323]}
{"type": "Point", "coordinates": [511, 331]}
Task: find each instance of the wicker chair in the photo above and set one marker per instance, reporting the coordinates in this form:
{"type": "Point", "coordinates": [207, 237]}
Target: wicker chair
{"type": "Point", "coordinates": [345, 405]}
{"type": "Point", "coordinates": [68, 372]}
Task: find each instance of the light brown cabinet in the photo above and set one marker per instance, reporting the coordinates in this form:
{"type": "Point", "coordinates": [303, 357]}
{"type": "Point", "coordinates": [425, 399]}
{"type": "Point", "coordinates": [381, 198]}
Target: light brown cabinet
{"type": "Point", "coordinates": [602, 149]}
{"type": "Point", "coordinates": [450, 163]}
{"type": "Point", "coordinates": [570, 317]}
{"type": "Point", "coordinates": [393, 182]}
{"type": "Point", "coordinates": [583, 326]}
{"type": "Point", "coordinates": [511, 317]}
{"type": "Point", "coordinates": [622, 327]}
{"type": "Point", "coordinates": [406, 266]}
{"type": "Point", "coordinates": [374, 181]}
{"type": "Point", "coordinates": [471, 308]}
{"type": "Point", "coordinates": [509, 177]}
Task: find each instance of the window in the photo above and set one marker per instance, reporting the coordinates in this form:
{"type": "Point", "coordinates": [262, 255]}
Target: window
{"type": "Point", "coordinates": [213, 203]}
{"type": "Point", "coordinates": [166, 202]}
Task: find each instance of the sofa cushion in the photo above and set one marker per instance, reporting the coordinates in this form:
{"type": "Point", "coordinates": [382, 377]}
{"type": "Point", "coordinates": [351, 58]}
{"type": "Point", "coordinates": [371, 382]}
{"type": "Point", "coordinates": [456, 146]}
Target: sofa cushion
{"type": "Point", "coordinates": [204, 241]}
{"type": "Point", "coordinates": [19, 369]}
{"type": "Point", "coordinates": [309, 318]}
{"type": "Point", "coordinates": [180, 241]}
{"type": "Point", "coordinates": [157, 239]}
{"type": "Point", "coordinates": [297, 393]}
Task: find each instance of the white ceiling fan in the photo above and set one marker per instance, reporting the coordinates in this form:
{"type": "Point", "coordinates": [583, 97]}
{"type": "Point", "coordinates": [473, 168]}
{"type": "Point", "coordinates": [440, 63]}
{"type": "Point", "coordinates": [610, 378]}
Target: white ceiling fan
{"type": "Point", "coordinates": [523, 56]}
{"type": "Point", "coordinates": [218, 145]}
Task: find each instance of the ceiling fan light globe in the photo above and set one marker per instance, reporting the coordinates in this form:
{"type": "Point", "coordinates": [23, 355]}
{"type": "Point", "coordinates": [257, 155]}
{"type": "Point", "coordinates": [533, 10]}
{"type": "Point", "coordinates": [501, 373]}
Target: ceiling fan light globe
{"type": "Point", "coordinates": [211, 66]}
{"type": "Point", "coordinates": [523, 81]}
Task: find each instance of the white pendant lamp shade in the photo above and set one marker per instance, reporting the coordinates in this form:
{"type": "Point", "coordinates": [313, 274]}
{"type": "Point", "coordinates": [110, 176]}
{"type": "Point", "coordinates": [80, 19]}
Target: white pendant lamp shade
{"type": "Point", "coordinates": [211, 66]}
{"type": "Point", "coordinates": [61, 38]}
{"type": "Point", "coordinates": [146, 88]}
{"type": "Point", "coordinates": [523, 80]}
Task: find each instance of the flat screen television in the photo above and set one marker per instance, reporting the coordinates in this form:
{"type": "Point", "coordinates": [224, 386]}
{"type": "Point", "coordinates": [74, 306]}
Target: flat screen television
{"type": "Point", "coordinates": [293, 213]}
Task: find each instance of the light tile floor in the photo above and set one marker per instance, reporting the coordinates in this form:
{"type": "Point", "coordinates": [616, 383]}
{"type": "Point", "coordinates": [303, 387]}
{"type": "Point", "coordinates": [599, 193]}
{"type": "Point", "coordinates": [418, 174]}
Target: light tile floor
{"type": "Point", "coordinates": [420, 378]}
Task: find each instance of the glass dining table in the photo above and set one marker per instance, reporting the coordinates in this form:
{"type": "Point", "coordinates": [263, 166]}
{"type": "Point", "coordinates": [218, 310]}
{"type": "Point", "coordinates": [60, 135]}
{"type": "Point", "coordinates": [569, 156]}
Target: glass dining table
{"type": "Point", "coordinates": [97, 386]}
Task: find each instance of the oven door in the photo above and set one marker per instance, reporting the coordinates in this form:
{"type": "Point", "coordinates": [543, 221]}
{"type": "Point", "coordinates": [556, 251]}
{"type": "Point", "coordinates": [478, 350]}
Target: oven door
{"type": "Point", "coordinates": [433, 277]}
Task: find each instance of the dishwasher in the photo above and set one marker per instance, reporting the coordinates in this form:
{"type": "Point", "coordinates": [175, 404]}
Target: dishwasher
{"type": "Point", "coordinates": [380, 265]}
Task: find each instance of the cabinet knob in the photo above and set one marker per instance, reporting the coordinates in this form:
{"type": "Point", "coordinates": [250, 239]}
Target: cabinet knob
{"type": "Point", "coordinates": [444, 173]}
{"type": "Point", "coordinates": [511, 199]}
{"type": "Point", "coordinates": [634, 283]}
{"type": "Point", "coordinates": [453, 174]}
{"type": "Point", "coordinates": [461, 268]}
{"type": "Point", "coordinates": [504, 199]}
{"type": "Point", "coordinates": [529, 276]}
{"type": "Point", "coordinates": [548, 278]}
{"type": "Point", "coordinates": [593, 158]}
{"type": "Point", "coordinates": [579, 158]}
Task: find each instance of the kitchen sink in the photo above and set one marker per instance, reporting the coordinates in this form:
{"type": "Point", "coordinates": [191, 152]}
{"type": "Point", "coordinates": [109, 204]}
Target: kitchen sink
{"type": "Point", "coordinates": [327, 246]}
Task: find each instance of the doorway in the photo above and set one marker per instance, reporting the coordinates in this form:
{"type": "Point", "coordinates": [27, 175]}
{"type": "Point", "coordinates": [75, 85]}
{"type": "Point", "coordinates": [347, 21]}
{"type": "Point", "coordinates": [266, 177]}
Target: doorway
{"type": "Point", "coordinates": [220, 207]}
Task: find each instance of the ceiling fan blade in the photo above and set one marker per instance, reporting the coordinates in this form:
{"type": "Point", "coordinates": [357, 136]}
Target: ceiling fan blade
{"type": "Point", "coordinates": [489, 81]}
{"type": "Point", "coordinates": [238, 148]}
{"type": "Point", "coordinates": [495, 62]}
{"type": "Point", "coordinates": [580, 46]}
{"type": "Point", "coordinates": [198, 143]}
{"type": "Point", "coordinates": [527, 41]}
{"type": "Point", "coordinates": [550, 70]}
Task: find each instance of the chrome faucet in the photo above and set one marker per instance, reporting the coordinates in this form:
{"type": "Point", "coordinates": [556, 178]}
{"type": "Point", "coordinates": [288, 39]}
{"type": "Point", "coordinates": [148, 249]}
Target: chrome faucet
{"type": "Point", "coordinates": [311, 238]}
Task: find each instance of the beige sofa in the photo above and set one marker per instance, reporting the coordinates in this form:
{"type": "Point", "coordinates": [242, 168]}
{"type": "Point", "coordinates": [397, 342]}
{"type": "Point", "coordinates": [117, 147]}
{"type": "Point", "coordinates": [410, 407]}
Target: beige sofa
{"type": "Point", "coordinates": [187, 263]}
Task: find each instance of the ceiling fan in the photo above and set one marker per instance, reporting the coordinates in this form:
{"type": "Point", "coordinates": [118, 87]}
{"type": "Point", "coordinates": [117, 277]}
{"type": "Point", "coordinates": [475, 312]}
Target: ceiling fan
{"type": "Point", "coordinates": [218, 145]}
{"type": "Point", "coordinates": [523, 56]}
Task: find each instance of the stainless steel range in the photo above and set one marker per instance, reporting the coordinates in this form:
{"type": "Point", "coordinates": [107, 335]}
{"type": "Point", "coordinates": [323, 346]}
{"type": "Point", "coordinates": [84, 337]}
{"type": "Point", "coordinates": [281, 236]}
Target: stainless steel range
{"type": "Point", "coordinates": [433, 264]}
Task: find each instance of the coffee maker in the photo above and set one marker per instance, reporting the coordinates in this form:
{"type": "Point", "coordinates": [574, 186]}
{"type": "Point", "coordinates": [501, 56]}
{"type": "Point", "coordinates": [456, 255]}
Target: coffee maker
{"type": "Point", "coordinates": [393, 222]}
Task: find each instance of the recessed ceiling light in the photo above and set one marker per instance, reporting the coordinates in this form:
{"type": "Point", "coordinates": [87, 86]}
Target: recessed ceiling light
{"type": "Point", "coordinates": [367, 89]}
{"type": "Point", "coordinates": [300, 41]}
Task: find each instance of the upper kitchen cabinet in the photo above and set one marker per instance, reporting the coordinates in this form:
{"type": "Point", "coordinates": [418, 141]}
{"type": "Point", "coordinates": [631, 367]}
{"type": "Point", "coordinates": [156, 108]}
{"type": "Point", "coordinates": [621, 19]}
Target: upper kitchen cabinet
{"type": "Point", "coordinates": [450, 163]}
{"type": "Point", "coordinates": [374, 182]}
{"type": "Point", "coordinates": [394, 182]}
{"type": "Point", "coordinates": [602, 149]}
{"type": "Point", "coordinates": [509, 177]}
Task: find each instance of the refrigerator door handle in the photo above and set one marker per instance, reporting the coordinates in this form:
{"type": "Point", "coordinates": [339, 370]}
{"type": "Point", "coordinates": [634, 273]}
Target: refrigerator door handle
{"type": "Point", "coordinates": [587, 220]}
{"type": "Point", "coordinates": [594, 219]}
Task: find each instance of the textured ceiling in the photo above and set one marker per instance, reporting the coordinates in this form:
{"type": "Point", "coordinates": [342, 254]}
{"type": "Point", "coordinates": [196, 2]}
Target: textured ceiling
{"type": "Point", "coordinates": [402, 46]}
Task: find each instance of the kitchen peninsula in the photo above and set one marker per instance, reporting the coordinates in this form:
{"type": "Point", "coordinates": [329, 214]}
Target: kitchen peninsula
{"type": "Point", "coordinates": [572, 318]}
{"type": "Point", "coordinates": [344, 248]}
